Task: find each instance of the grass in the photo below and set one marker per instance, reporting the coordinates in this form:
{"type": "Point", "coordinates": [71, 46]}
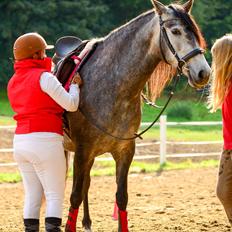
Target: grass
{"type": "Point", "coordinates": [107, 168]}
{"type": "Point", "coordinates": [6, 121]}
{"type": "Point", "coordinates": [5, 109]}
{"type": "Point", "coordinates": [10, 177]}
{"type": "Point", "coordinates": [184, 133]}
{"type": "Point", "coordinates": [199, 110]}
{"type": "Point", "coordinates": [187, 133]}
{"type": "Point", "coordinates": [200, 113]}
{"type": "Point", "coordinates": [179, 133]}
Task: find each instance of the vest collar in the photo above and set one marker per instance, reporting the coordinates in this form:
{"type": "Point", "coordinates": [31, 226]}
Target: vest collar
{"type": "Point", "coordinates": [46, 64]}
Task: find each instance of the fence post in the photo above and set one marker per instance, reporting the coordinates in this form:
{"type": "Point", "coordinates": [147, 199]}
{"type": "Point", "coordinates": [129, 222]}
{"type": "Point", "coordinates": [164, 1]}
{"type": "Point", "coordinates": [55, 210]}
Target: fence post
{"type": "Point", "coordinates": [163, 128]}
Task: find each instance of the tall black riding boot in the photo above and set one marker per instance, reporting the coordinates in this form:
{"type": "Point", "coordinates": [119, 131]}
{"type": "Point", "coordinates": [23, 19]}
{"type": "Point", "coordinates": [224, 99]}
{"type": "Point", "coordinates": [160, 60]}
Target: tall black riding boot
{"type": "Point", "coordinates": [31, 225]}
{"type": "Point", "coordinates": [52, 224]}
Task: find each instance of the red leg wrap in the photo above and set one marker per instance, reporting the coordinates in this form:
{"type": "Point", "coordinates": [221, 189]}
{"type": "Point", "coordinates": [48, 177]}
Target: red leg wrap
{"type": "Point", "coordinates": [123, 220]}
{"type": "Point", "coordinates": [115, 213]}
{"type": "Point", "coordinates": [72, 219]}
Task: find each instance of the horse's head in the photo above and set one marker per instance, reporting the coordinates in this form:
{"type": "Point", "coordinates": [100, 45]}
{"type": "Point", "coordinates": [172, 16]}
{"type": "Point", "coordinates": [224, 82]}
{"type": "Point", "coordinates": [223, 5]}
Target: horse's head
{"type": "Point", "coordinates": [181, 42]}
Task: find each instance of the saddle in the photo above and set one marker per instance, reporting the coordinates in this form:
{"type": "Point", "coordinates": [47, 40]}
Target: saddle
{"type": "Point", "coordinates": [67, 50]}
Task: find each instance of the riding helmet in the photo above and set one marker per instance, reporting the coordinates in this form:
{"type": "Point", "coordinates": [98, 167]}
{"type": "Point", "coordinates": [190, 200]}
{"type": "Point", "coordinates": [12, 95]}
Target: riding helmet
{"type": "Point", "coordinates": [28, 44]}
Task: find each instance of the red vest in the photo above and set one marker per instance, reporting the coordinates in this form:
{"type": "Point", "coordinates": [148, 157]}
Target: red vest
{"type": "Point", "coordinates": [35, 110]}
{"type": "Point", "coordinates": [227, 121]}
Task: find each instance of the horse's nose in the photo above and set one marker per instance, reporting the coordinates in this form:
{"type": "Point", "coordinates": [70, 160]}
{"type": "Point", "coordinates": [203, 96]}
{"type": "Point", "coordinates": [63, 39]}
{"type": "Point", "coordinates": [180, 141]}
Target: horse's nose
{"type": "Point", "coordinates": [203, 75]}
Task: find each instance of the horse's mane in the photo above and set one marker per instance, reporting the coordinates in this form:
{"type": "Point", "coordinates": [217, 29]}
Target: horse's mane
{"type": "Point", "coordinates": [137, 21]}
{"type": "Point", "coordinates": [163, 72]}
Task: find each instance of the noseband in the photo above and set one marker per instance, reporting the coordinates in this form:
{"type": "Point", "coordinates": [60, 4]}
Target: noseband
{"type": "Point", "coordinates": [181, 61]}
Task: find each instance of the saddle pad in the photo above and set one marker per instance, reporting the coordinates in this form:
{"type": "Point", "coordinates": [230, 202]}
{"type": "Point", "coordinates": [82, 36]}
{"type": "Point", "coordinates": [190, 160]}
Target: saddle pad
{"type": "Point", "coordinates": [66, 66]}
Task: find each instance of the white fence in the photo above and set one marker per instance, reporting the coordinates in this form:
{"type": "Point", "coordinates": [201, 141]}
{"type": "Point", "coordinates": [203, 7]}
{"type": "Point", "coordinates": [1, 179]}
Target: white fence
{"type": "Point", "coordinates": [163, 142]}
{"type": "Point", "coordinates": [163, 138]}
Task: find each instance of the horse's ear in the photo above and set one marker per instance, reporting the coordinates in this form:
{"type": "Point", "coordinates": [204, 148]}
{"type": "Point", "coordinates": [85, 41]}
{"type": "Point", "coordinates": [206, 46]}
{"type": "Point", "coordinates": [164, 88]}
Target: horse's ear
{"type": "Point", "coordinates": [160, 8]}
{"type": "Point", "coordinates": [188, 6]}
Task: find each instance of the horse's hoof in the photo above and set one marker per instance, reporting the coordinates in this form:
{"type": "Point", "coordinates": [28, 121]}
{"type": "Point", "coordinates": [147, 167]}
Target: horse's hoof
{"type": "Point", "coordinates": [88, 230]}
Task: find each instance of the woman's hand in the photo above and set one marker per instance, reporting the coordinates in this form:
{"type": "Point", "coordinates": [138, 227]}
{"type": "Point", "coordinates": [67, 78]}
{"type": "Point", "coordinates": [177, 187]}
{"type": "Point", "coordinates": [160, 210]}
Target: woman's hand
{"type": "Point", "coordinates": [90, 45]}
{"type": "Point", "coordinates": [87, 48]}
{"type": "Point", "coordinates": [77, 79]}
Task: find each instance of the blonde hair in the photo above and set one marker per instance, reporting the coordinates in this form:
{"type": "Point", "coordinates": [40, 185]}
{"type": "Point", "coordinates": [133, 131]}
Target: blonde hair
{"type": "Point", "coordinates": [221, 72]}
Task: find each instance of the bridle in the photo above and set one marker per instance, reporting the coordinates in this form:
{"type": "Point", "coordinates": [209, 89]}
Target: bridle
{"type": "Point", "coordinates": [181, 61]}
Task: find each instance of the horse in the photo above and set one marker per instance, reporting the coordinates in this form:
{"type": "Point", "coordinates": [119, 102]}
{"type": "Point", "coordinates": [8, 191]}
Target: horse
{"type": "Point", "coordinates": [152, 47]}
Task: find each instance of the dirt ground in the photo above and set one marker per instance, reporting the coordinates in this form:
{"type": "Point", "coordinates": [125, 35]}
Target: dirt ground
{"type": "Point", "coordinates": [159, 202]}
{"type": "Point", "coordinates": [165, 202]}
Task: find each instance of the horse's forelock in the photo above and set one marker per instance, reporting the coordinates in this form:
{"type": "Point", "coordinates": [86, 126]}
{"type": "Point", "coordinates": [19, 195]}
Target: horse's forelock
{"type": "Point", "coordinates": [188, 19]}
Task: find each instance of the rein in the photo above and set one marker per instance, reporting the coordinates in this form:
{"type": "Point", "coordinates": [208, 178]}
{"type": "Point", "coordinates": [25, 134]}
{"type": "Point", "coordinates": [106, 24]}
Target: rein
{"type": "Point", "coordinates": [181, 62]}
{"type": "Point", "coordinates": [139, 135]}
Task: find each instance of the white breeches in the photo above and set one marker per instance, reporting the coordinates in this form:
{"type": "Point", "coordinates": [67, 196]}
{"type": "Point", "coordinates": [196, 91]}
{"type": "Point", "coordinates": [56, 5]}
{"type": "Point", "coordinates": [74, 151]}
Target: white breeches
{"type": "Point", "coordinates": [41, 161]}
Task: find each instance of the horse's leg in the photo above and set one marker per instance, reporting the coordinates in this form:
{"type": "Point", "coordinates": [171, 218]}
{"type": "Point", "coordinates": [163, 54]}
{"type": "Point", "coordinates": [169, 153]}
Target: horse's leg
{"type": "Point", "coordinates": [123, 160]}
{"type": "Point", "coordinates": [67, 159]}
{"type": "Point", "coordinates": [81, 183]}
{"type": "Point", "coordinates": [86, 222]}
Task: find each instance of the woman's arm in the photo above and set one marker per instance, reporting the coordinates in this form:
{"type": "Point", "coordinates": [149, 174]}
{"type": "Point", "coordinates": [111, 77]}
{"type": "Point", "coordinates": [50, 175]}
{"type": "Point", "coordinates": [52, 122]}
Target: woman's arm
{"type": "Point", "coordinates": [87, 48]}
{"type": "Point", "coordinates": [68, 100]}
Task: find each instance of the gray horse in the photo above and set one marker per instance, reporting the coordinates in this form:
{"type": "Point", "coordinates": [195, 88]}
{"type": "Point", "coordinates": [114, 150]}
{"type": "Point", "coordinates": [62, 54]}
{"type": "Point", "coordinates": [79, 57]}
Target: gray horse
{"type": "Point", "coordinates": [110, 103]}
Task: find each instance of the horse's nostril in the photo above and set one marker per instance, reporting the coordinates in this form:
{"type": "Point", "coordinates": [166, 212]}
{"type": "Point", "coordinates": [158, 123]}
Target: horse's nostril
{"type": "Point", "coordinates": [203, 75]}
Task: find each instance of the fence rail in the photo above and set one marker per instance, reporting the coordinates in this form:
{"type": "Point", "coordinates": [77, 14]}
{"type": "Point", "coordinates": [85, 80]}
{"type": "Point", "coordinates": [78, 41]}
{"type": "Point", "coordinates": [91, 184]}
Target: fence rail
{"type": "Point", "coordinates": [8, 127]}
{"type": "Point", "coordinates": [200, 123]}
{"type": "Point", "coordinates": [163, 142]}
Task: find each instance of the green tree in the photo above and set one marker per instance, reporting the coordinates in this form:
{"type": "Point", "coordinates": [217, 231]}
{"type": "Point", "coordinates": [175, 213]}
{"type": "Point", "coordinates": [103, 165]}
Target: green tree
{"type": "Point", "coordinates": [56, 18]}
{"type": "Point", "coordinates": [215, 18]}
{"type": "Point", "coordinates": [52, 19]}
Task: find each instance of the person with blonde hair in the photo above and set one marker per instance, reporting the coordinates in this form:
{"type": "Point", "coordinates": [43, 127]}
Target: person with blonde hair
{"type": "Point", "coordinates": [221, 97]}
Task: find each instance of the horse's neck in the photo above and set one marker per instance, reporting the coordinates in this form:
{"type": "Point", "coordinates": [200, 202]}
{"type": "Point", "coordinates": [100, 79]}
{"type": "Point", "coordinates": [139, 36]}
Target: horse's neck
{"type": "Point", "coordinates": [135, 52]}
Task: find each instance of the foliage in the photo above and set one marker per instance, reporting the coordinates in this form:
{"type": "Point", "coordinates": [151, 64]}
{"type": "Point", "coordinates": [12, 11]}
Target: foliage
{"type": "Point", "coordinates": [52, 19]}
{"type": "Point", "coordinates": [215, 18]}
{"type": "Point", "coordinates": [180, 110]}
{"type": "Point", "coordinates": [197, 104]}
{"type": "Point", "coordinates": [5, 109]}
{"type": "Point", "coordinates": [86, 19]}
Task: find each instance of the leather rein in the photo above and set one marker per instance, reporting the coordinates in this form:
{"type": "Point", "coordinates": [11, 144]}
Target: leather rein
{"type": "Point", "coordinates": [181, 62]}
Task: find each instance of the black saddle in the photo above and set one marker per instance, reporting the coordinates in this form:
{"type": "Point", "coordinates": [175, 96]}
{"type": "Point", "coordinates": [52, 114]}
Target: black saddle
{"type": "Point", "coordinates": [64, 46]}
{"type": "Point", "coordinates": [65, 49]}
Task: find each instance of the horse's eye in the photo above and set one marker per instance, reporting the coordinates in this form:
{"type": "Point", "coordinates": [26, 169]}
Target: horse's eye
{"type": "Point", "coordinates": [176, 32]}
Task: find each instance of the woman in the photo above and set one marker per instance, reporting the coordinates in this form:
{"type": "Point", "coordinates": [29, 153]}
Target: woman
{"type": "Point", "coordinates": [221, 97]}
{"type": "Point", "coordinates": [38, 99]}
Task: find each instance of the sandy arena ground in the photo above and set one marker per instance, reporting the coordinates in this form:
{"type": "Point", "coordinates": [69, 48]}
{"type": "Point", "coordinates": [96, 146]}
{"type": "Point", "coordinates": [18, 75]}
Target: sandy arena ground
{"type": "Point", "coordinates": [159, 202]}
{"type": "Point", "coordinates": [164, 202]}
